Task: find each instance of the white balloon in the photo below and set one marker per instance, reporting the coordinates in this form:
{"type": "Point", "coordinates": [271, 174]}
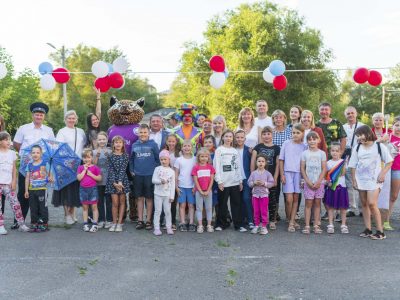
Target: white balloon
{"type": "Point", "coordinates": [100, 69]}
{"type": "Point", "coordinates": [120, 65]}
{"type": "Point", "coordinates": [3, 70]}
{"type": "Point", "coordinates": [47, 82]}
{"type": "Point", "coordinates": [268, 77]}
{"type": "Point", "coordinates": [217, 80]}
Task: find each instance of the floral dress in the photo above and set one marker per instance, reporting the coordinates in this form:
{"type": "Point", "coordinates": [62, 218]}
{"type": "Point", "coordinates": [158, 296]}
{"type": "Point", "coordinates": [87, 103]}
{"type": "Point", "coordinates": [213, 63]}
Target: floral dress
{"type": "Point", "coordinates": [117, 173]}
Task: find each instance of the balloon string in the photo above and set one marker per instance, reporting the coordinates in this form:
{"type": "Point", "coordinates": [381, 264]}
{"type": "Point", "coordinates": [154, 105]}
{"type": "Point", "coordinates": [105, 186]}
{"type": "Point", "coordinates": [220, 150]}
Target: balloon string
{"type": "Point", "coordinates": [230, 72]}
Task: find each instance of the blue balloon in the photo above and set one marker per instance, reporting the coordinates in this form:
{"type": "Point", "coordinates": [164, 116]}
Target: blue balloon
{"type": "Point", "coordinates": [277, 67]}
{"type": "Point", "coordinates": [226, 72]}
{"type": "Point", "coordinates": [45, 68]}
{"type": "Point", "coordinates": [110, 68]}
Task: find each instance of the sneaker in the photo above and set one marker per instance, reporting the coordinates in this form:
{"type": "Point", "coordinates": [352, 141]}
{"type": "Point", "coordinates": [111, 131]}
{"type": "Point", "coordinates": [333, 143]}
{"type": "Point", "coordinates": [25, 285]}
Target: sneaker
{"type": "Point", "coordinates": [69, 220]}
{"type": "Point", "coordinates": [118, 228]}
{"type": "Point", "coordinates": [242, 229]}
{"type": "Point", "coordinates": [14, 226]}
{"type": "Point", "coordinates": [378, 236]}
{"type": "Point", "coordinates": [107, 225]}
{"type": "Point", "coordinates": [338, 218]}
{"type": "Point", "coordinates": [251, 226]}
{"type": "Point", "coordinates": [192, 227]}
{"type": "Point", "coordinates": [42, 228]}
{"type": "Point", "coordinates": [157, 232]}
{"type": "Point", "coordinates": [94, 228]}
{"type": "Point", "coordinates": [366, 233]}
{"type": "Point", "coordinates": [325, 216]}
{"type": "Point", "coordinates": [264, 231]}
{"type": "Point", "coordinates": [75, 219]}
{"type": "Point", "coordinates": [86, 227]}
{"type": "Point", "coordinates": [210, 228]}
{"type": "Point", "coordinates": [33, 228]}
{"type": "Point", "coordinates": [255, 230]}
{"type": "Point", "coordinates": [23, 228]}
{"type": "Point", "coordinates": [200, 229]}
{"type": "Point", "coordinates": [387, 226]}
{"type": "Point", "coordinates": [218, 228]}
{"type": "Point", "coordinates": [170, 231]}
{"type": "Point", "coordinates": [330, 229]}
{"type": "Point", "coordinates": [350, 214]}
{"type": "Point", "coordinates": [112, 228]}
{"type": "Point", "coordinates": [344, 229]}
{"type": "Point", "coordinates": [3, 231]}
{"type": "Point", "coordinates": [182, 227]}
{"type": "Point", "coordinates": [101, 224]}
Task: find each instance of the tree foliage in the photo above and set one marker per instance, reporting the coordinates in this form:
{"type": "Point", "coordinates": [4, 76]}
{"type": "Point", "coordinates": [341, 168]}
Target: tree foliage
{"type": "Point", "coordinates": [249, 38]}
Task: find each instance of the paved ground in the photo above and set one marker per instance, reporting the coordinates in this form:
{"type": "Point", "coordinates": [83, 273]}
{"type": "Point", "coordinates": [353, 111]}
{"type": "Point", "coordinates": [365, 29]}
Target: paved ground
{"type": "Point", "coordinates": [66, 263]}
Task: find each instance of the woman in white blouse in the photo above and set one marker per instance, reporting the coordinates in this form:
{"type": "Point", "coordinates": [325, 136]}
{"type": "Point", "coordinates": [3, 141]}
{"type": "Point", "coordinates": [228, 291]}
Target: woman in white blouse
{"type": "Point", "coordinates": [76, 139]}
{"type": "Point", "coordinates": [246, 123]}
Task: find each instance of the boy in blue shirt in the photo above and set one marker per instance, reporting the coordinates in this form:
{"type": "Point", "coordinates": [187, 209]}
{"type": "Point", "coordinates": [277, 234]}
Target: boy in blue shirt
{"type": "Point", "coordinates": [144, 159]}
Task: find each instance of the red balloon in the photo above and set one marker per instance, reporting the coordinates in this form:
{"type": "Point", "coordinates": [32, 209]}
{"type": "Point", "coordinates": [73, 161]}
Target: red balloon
{"type": "Point", "coordinates": [116, 80]}
{"type": "Point", "coordinates": [103, 84]}
{"type": "Point", "coordinates": [361, 75]}
{"type": "Point", "coordinates": [280, 82]}
{"type": "Point", "coordinates": [217, 63]}
{"type": "Point", "coordinates": [375, 78]}
{"type": "Point", "coordinates": [61, 75]}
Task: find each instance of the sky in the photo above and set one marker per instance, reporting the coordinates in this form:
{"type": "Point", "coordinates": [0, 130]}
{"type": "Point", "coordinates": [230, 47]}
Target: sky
{"type": "Point", "coordinates": [152, 32]}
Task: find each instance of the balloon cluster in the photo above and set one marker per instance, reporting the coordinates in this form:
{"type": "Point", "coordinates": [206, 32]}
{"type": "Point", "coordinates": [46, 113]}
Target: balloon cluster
{"type": "Point", "coordinates": [362, 75]}
{"type": "Point", "coordinates": [52, 76]}
{"type": "Point", "coordinates": [3, 70]}
{"type": "Point", "coordinates": [109, 75]}
{"type": "Point", "coordinates": [220, 72]}
{"type": "Point", "coordinates": [274, 74]}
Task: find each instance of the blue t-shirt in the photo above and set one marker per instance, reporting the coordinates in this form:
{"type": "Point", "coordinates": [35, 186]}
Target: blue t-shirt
{"type": "Point", "coordinates": [38, 175]}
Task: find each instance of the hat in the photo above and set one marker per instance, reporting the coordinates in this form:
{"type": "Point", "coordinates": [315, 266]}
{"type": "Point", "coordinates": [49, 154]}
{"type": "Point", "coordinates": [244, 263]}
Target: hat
{"type": "Point", "coordinates": [171, 115]}
{"type": "Point", "coordinates": [187, 109]}
{"type": "Point", "coordinates": [39, 107]}
{"type": "Point", "coordinates": [164, 153]}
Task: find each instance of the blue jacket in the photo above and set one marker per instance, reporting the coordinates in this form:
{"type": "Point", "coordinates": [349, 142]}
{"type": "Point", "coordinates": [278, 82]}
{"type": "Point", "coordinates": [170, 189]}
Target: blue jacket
{"type": "Point", "coordinates": [144, 158]}
{"type": "Point", "coordinates": [246, 161]}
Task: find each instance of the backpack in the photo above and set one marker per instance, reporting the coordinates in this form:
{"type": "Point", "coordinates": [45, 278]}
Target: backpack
{"type": "Point", "coordinates": [379, 149]}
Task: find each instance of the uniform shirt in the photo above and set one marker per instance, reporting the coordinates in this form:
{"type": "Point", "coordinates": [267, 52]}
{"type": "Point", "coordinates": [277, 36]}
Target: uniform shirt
{"type": "Point", "coordinates": [28, 134]}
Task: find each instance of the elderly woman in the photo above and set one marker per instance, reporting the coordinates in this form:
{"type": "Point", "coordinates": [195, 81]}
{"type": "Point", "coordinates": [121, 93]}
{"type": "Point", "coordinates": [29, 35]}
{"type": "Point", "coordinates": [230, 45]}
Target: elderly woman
{"type": "Point", "coordinates": [76, 139]}
{"type": "Point", "coordinates": [307, 119]}
{"type": "Point", "coordinates": [246, 123]}
{"type": "Point", "coordinates": [93, 122]}
{"type": "Point", "coordinates": [281, 132]}
{"type": "Point", "coordinates": [381, 133]}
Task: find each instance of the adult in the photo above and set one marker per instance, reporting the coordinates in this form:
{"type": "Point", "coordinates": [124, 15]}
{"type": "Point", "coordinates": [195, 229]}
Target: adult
{"type": "Point", "coordinates": [187, 131]}
{"type": "Point", "coordinates": [173, 121]}
{"type": "Point", "coordinates": [246, 123]}
{"type": "Point", "coordinates": [157, 131]}
{"type": "Point", "coordinates": [76, 139]}
{"type": "Point", "coordinates": [395, 173]}
{"type": "Point", "coordinates": [295, 115]}
{"type": "Point", "coordinates": [93, 122]}
{"type": "Point", "coordinates": [333, 129]}
{"type": "Point", "coordinates": [281, 132]}
{"type": "Point", "coordinates": [219, 127]}
{"type": "Point", "coordinates": [26, 135]}
{"type": "Point", "coordinates": [2, 128]}
{"type": "Point", "coordinates": [307, 119]}
{"type": "Point", "coordinates": [381, 132]}
{"type": "Point", "coordinates": [350, 127]}
{"type": "Point", "coordinates": [262, 118]}
{"type": "Point", "coordinates": [200, 120]}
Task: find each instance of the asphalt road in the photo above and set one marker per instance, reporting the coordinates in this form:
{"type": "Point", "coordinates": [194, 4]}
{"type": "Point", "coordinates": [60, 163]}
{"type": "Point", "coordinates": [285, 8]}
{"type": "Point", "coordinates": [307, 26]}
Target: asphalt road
{"type": "Point", "coordinates": [67, 263]}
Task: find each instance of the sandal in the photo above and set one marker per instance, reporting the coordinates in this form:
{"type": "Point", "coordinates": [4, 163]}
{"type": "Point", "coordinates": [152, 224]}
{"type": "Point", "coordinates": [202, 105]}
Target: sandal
{"type": "Point", "coordinates": [291, 228]}
{"type": "Point", "coordinates": [149, 226]}
{"type": "Point", "coordinates": [297, 225]}
{"type": "Point", "coordinates": [140, 225]}
{"type": "Point", "coordinates": [272, 226]}
{"type": "Point", "coordinates": [306, 230]}
{"type": "Point", "coordinates": [344, 229]}
{"type": "Point", "coordinates": [317, 229]}
{"type": "Point", "coordinates": [330, 229]}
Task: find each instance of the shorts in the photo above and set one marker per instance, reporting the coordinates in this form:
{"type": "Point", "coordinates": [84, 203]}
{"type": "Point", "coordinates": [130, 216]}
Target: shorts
{"type": "Point", "coordinates": [395, 174]}
{"type": "Point", "coordinates": [88, 195]}
{"type": "Point", "coordinates": [143, 186]}
{"type": "Point", "coordinates": [310, 194]}
{"type": "Point", "coordinates": [292, 184]}
{"type": "Point", "coordinates": [186, 196]}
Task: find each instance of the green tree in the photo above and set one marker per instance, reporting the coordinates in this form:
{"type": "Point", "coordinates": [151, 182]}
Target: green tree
{"type": "Point", "coordinates": [249, 38]}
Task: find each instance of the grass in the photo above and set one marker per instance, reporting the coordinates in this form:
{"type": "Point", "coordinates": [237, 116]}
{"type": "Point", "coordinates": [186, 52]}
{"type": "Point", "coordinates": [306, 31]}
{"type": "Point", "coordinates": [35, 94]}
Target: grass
{"type": "Point", "coordinates": [225, 244]}
{"type": "Point", "coordinates": [230, 280]}
{"type": "Point", "coordinates": [82, 270]}
{"type": "Point", "coordinates": [93, 262]}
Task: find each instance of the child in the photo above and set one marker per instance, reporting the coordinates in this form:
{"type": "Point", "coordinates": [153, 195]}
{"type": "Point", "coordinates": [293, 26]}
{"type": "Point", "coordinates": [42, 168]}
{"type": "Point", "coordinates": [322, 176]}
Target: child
{"type": "Point", "coordinates": [313, 169]}
{"type": "Point", "coordinates": [209, 144]}
{"type": "Point", "coordinates": [164, 192]}
{"type": "Point", "coordinates": [184, 185]}
{"type": "Point", "coordinates": [368, 176]}
{"type": "Point", "coordinates": [290, 172]}
{"type": "Point", "coordinates": [173, 145]}
{"type": "Point", "coordinates": [260, 180]}
{"type": "Point", "coordinates": [336, 196]}
{"type": "Point", "coordinates": [203, 176]}
{"type": "Point", "coordinates": [37, 177]}
{"type": "Point", "coordinates": [271, 152]}
{"type": "Point", "coordinates": [89, 175]}
{"type": "Point", "coordinates": [8, 182]}
{"type": "Point", "coordinates": [229, 179]}
{"type": "Point", "coordinates": [117, 182]}
{"type": "Point", "coordinates": [144, 159]}
{"type": "Point", "coordinates": [101, 155]}
{"type": "Point", "coordinates": [245, 158]}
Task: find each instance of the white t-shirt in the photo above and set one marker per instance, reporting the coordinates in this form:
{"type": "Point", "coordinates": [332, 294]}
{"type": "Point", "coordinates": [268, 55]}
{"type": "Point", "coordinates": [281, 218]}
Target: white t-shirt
{"type": "Point", "coordinates": [349, 132]}
{"type": "Point", "coordinates": [28, 134]}
{"type": "Point", "coordinates": [252, 137]}
{"type": "Point", "coordinates": [185, 166]}
{"type": "Point", "coordinates": [267, 121]}
{"type": "Point", "coordinates": [157, 137]}
{"type": "Point", "coordinates": [313, 160]}
{"type": "Point", "coordinates": [67, 135]}
{"type": "Point", "coordinates": [6, 166]}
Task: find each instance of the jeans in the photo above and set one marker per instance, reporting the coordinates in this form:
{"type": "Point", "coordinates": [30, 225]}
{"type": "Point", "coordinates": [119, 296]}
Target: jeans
{"type": "Point", "coordinates": [104, 205]}
{"type": "Point", "coordinates": [247, 206]}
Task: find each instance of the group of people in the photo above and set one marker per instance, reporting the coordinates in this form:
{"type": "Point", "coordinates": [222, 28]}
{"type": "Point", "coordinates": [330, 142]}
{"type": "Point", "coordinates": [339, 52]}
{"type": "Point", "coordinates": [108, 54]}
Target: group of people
{"type": "Point", "coordinates": [199, 165]}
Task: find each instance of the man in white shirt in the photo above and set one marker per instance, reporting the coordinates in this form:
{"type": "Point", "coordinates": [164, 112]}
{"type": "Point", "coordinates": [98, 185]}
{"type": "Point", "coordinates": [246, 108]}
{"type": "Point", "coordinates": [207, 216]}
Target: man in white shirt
{"type": "Point", "coordinates": [262, 118]}
{"type": "Point", "coordinates": [157, 132]}
{"type": "Point", "coordinates": [27, 135]}
{"type": "Point", "coordinates": [350, 127]}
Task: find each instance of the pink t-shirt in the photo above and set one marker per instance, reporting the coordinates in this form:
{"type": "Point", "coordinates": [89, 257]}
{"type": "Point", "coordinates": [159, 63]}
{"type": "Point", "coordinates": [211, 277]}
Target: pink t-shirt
{"type": "Point", "coordinates": [395, 141]}
{"type": "Point", "coordinates": [203, 174]}
{"type": "Point", "coordinates": [88, 181]}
